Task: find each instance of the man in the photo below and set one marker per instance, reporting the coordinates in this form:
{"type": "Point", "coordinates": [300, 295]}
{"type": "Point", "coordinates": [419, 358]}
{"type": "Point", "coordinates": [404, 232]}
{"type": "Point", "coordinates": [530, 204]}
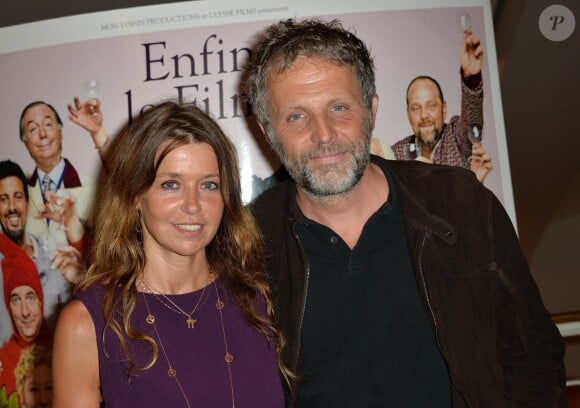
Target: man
{"type": "Point", "coordinates": [435, 141]}
{"type": "Point", "coordinates": [41, 133]}
{"type": "Point", "coordinates": [59, 268]}
{"type": "Point", "coordinates": [395, 283]}
{"type": "Point", "coordinates": [23, 297]}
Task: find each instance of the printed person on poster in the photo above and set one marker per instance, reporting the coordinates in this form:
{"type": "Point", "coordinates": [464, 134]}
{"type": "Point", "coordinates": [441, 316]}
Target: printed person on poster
{"type": "Point", "coordinates": [71, 193]}
{"type": "Point", "coordinates": [59, 270]}
{"type": "Point", "coordinates": [435, 141]}
{"type": "Point", "coordinates": [24, 299]}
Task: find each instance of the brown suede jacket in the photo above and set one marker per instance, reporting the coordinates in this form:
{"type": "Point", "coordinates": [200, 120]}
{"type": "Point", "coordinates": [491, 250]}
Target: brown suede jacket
{"type": "Point", "coordinates": [492, 328]}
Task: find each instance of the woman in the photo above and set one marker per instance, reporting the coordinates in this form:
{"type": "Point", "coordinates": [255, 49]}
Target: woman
{"type": "Point", "coordinates": [175, 309]}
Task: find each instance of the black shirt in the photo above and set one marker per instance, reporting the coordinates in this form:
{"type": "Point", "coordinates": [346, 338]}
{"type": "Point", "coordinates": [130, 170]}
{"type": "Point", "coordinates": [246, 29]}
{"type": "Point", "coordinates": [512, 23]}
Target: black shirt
{"type": "Point", "coordinates": [366, 338]}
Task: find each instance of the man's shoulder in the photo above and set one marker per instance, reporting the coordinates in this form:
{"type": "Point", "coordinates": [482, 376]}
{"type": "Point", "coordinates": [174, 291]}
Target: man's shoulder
{"type": "Point", "coordinates": [73, 178]}
{"type": "Point", "coordinates": [275, 195]}
{"type": "Point", "coordinates": [404, 141]}
{"type": "Point", "coordinates": [272, 207]}
{"type": "Point", "coordinates": [416, 175]}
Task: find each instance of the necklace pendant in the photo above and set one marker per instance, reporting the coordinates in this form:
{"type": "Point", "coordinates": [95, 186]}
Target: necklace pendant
{"type": "Point", "coordinates": [150, 318]}
{"type": "Point", "coordinates": [191, 323]}
{"type": "Point", "coordinates": [171, 372]}
{"type": "Point", "coordinates": [229, 358]}
{"type": "Point", "coordinates": [219, 304]}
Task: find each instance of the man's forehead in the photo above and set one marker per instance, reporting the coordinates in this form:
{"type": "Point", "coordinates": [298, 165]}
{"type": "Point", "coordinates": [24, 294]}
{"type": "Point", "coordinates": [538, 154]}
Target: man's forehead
{"type": "Point", "coordinates": [11, 181]}
{"type": "Point", "coordinates": [423, 84]}
{"type": "Point", "coordinates": [41, 110]}
{"type": "Point", "coordinates": [22, 290]}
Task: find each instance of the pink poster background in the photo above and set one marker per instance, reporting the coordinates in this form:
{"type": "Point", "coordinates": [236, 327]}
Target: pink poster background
{"type": "Point", "coordinates": [405, 43]}
{"type": "Point", "coordinates": [140, 61]}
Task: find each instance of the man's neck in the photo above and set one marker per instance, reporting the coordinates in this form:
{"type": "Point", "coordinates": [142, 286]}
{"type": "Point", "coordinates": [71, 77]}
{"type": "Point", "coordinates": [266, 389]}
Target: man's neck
{"type": "Point", "coordinates": [346, 214]}
{"type": "Point", "coordinates": [47, 165]}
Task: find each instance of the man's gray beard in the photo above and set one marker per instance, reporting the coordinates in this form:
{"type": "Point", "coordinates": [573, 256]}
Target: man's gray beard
{"type": "Point", "coordinates": [429, 144]}
{"type": "Point", "coordinates": [326, 184]}
{"type": "Point", "coordinates": [15, 236]}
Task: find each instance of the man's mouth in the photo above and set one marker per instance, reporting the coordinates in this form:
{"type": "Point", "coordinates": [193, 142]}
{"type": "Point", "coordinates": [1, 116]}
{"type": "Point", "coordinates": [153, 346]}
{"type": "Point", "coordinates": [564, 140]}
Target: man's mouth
{"type": "Point", "coordinates": [14, 220]}
{"type": "Point", "coordinates": [44, 146]}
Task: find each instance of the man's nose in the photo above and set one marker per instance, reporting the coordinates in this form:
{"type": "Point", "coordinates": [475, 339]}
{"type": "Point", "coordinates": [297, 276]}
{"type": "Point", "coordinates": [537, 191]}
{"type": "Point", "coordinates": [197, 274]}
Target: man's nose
{"type": "Point", "coordinates": [25, 309]}
{"type": "Point", "coordinates": [12, 206]}
{"type": "Point", "coordinates": [322, 129]}
{"type": "Point", "coordinates": [41, 132]}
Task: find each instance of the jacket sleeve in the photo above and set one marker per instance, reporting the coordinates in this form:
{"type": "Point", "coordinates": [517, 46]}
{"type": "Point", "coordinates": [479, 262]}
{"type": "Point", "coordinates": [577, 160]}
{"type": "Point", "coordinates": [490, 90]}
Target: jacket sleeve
{"type": "Point", "coordinates": [471, 113]}
{"type": "Point", "coordinates": [530, 346]}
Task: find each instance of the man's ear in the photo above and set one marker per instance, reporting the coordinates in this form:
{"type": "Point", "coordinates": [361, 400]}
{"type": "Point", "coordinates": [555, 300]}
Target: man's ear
{"type": "Point", "coordinates": [375, 107]}
{"type": "Point", "coordinates": [444, 110]}
{"type": "Point", "coordinates": [262, 128]}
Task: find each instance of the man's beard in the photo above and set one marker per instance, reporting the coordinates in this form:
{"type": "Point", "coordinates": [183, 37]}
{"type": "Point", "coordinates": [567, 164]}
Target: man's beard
{"type": "Point", "coordinates": [15, 236]}
{"type": "Point", "coordinates": [429, 143]}
{"type": "Point", "coordinates": [327, 179]}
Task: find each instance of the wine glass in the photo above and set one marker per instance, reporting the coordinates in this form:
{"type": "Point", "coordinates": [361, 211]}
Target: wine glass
{"type": "Point", "coordinates": [410, 151]}
{"type": "Point", "coordinates": [93, 89]}
{"type": "Point", "coordinates": [474, 133]}
{"type": "Point", "coordinates": [464, 21]}
{"type": "Point", "coordinates": [62, 196]}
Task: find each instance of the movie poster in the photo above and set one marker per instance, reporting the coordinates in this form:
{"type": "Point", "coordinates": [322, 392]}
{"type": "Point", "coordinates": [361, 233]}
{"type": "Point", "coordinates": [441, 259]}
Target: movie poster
{"type": "Point", "coordinates": [126, 60]}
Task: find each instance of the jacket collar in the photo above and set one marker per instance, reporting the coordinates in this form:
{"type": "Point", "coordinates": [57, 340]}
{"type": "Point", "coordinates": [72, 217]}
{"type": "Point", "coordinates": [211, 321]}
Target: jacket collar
{"type": "Point", "coordinates": [407, 176]}
{"type": "Point", "coordinates": [70, 177]}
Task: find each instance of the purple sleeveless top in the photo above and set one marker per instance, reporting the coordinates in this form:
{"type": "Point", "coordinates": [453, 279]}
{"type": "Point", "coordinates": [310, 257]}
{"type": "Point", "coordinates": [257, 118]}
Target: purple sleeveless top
{"type": "Point", "coordinates": [196, 354]}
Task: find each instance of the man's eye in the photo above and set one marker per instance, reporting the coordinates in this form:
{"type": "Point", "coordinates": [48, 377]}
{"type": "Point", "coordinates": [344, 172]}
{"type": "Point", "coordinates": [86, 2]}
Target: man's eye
{"type": "Point", "coordinates": [339, 108]}
{"type": "Point", "coordinates": [294, 117]}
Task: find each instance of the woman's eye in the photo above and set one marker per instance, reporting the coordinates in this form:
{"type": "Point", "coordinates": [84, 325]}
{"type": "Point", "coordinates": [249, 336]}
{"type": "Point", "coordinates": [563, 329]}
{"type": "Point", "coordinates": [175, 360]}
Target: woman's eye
{"type": "Point", "coordinates": [169, 185]}
{"type": "Point", "coordinates": [210, 185]}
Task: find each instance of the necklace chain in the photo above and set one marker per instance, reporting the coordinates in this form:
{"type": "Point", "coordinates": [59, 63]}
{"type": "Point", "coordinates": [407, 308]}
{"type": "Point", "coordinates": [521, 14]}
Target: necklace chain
{"type": "Point", "coordinates": [174, 307]}
{"type": "Point", "coordinates": [171, 372]}
{"type": "Point", "coordinates": [228, 358]}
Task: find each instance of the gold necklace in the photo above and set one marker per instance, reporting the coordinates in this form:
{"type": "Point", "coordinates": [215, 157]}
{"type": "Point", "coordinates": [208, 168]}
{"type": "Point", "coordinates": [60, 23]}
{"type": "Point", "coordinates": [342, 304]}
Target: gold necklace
{"type": "Point", "coordinates": [189, 320]}
{"type": "Point", "coordinates": [228, 358]}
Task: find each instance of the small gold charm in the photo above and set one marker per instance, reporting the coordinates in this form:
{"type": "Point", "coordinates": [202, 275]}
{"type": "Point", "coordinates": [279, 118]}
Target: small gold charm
{"type": "Point", "coordinates": [191, 323]}
{"type": "Point", "coordinates": [229, 358]}
{"type": "Point", "coordinates": [171, 372]}
{"type": "Point", "coordinates": [219, 304]}
{"type": "Point", "coordinates": [150, 318]}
